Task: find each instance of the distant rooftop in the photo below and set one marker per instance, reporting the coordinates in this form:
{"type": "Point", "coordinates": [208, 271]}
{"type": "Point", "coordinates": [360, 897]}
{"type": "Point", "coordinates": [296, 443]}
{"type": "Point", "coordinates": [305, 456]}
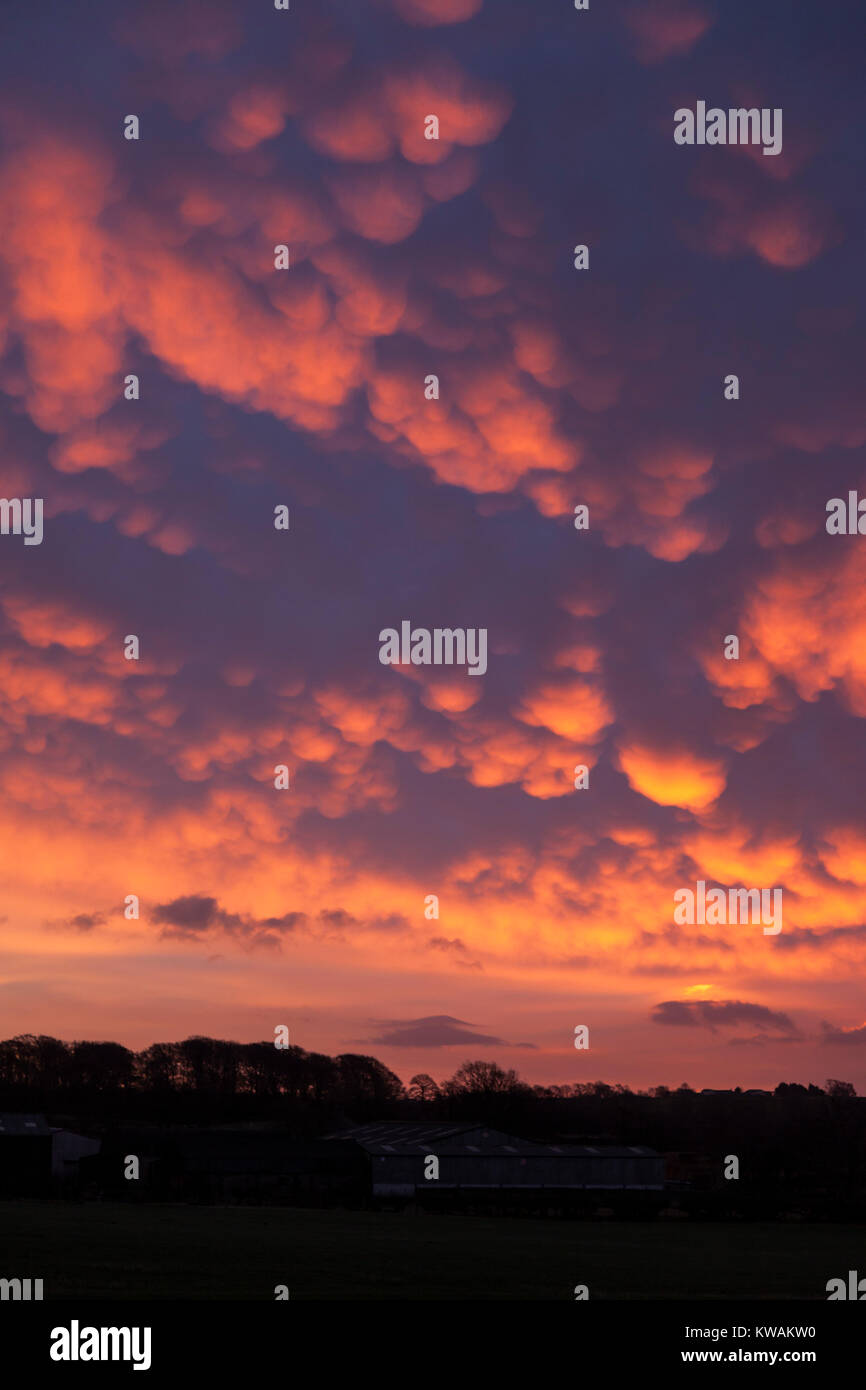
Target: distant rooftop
{"type": "Point", "coordinates": [23, 1124]}
{"type": "Point", "coordinates": [402, 1134]}
{"type": "Point", "coordinates": [414, 1136]}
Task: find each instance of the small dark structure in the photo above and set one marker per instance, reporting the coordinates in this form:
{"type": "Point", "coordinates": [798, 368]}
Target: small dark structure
{"type": "Point", "coordinates": [36, 1157]}
{"type": "Point", "coordinates": [25, 1155]}
{"type": "Point", "coordinates": [227, 1165]}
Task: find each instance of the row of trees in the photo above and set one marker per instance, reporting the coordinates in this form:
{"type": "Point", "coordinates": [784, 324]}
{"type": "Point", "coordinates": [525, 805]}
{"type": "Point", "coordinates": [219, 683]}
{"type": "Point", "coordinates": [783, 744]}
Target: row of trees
{"type": "Point", "coordinates": [207, 1080]}
{"type": "Point", "coordinates": [199, 1079]}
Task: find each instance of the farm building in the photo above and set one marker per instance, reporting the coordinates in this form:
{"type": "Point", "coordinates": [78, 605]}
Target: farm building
{"type": "Point", "coordinates": [25, 1154]}
{"type": "Point", "coordinates": [224, 1165]}
{"type": "Point", "coordinates": [383, 1161]}
{"type": "Point", "coordinates": [472, 1156]}
{"type": "Point", "coordinates": [32, 1153]}
{"type": "Point", "coordinates": [67, 1151]}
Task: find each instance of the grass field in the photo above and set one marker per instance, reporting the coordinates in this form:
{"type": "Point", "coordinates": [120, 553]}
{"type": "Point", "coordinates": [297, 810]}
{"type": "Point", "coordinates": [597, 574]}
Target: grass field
{"type": "Point", "coordinates": [114, 1250]}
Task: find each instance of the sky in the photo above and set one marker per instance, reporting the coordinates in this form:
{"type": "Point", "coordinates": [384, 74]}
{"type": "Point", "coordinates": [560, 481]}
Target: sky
{"type": "Point", "coordinates": [304, 388]}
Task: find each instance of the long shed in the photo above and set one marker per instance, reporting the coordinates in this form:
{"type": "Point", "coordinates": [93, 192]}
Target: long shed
{"type": "Point", "coordinates": [472, 1156]}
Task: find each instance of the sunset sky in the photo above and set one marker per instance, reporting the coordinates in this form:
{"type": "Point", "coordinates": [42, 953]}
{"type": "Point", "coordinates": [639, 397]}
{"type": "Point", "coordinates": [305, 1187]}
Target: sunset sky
{"type": "Point", "coordinates": [559, 387]}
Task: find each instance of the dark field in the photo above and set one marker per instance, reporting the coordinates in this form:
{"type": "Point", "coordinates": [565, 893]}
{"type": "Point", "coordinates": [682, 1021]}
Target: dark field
{"type": "Point", "coordinates": [113, 1250]}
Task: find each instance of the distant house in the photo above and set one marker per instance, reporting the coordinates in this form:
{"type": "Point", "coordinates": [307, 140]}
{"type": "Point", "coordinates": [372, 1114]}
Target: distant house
{"type": "Point", "coordinates": [33, 1152]}
{"type": "Point", "coordinates": [473, 1157]}
{"type": "Point", "coordinates": [708, 1091]}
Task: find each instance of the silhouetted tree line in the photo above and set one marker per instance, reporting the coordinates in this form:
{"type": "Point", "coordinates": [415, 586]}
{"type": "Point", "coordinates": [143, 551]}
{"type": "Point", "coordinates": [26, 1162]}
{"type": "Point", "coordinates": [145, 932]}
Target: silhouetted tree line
{"type": "Point", "coordinates": [197, 1081]}
{"type": "Point", "coordinates": [808, 1137]}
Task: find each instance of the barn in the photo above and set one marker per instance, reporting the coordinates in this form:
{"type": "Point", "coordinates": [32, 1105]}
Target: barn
{"type": "Point", "coordinates": [25, 1155]}
{"type": "Point", "coordinates": [226, 1165]}
{"type": "Point", "coordinates": [383, 1161]}
{"type": "Point", "coordinates": [475, 1157]}
{"type": "Point", "coordinates": [32, 1153]}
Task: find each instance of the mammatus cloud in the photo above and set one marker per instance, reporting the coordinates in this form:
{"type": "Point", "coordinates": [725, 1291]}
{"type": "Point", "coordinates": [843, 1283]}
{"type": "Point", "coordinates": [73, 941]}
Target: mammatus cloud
{"type": "Point", "coordinates": [435, 12]}
{"type": "Point", "coordinates": [661, 29]}
{"type": "Point", "coordinates": [673, 777]}
{"type": "Point", "coordinates": [413, 258]}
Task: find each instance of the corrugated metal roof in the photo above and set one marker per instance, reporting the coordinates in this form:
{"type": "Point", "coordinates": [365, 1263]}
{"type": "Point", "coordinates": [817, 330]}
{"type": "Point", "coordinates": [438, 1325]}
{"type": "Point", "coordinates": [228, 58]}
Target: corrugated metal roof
{"type": "Point", "coordinates": [418, 1136]}
{"type": "Point", "coordinates": [390, 1133]}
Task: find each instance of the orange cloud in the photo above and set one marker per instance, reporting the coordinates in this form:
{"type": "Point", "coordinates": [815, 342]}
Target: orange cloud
{"type": "Point", "coordinates": [382, 204]}
{"type": "Point", "coordinates": [254, 114]}
{"type": "Point", "coordinates": [807, 622]}
{"type": "Point", "coordinates": [573, 708]}
{"type": "Point", "coordinates": [785, 228]}
{"type": "Point", "coordinates": [673, 777]}
{"type": "Point", "coordinates": [469, 112]}
{"type": "Point", "coordinates": [382, 113]}
{"type": "Point", "coordinates": [741, 683]}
